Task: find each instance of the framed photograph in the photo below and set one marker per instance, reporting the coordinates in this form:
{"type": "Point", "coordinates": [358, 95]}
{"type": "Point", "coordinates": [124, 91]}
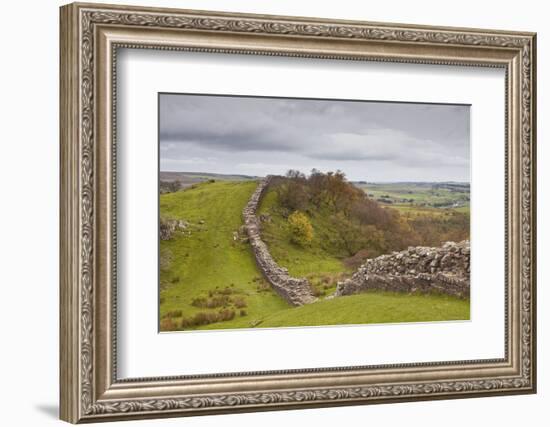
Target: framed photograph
{"type": "Point", "coordinates": [266, 212]}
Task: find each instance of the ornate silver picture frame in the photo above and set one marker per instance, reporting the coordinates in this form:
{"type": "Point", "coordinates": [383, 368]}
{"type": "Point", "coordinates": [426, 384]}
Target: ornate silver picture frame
{"type": "Point", "coordinates": [91, 35]}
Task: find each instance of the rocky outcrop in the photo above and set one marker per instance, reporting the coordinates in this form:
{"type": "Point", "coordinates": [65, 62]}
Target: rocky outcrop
{"type": "Point", "coordinates": [294, 290]}
{"type": "Point", "coordinates": [443, 269]}
{"type": "Point", "coordinates": [168, 227]}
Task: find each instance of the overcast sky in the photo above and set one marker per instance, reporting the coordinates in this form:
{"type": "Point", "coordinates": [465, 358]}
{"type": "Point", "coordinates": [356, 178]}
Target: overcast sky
{"type": "Point", "coordinates": [370, 141]}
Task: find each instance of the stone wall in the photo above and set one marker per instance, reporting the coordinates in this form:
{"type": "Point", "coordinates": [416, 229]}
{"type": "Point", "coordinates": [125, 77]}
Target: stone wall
{"type": "Point", "coordinates": [294, 290]}
{"type": "Point", "coordinates": [443, 269]}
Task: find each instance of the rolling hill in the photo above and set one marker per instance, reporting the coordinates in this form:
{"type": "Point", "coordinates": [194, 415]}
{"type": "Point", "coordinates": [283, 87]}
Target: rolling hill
{"type": "Point", "coordinates": [209, 279]}
{"type": "Point", "coordinates": [187, 179]}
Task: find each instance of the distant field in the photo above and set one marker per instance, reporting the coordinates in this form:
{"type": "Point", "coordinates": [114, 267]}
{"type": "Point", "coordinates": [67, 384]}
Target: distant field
{"type": "Point", "coordinates": [412, 211]}
{"type": "Point", "coordinates": [419, 194]}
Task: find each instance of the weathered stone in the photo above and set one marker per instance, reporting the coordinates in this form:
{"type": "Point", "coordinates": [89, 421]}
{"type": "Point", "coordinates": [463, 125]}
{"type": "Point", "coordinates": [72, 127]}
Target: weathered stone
{"type": "Point", "coordinates": [296, 291]}
{"type": "Point", "coordinates": [406, 271]}
{"type": "Point", "coordinates": [168, 227]}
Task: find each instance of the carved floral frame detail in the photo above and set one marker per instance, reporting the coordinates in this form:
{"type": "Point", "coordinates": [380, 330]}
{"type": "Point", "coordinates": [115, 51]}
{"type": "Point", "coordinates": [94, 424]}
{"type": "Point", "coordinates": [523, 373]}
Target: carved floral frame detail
{"type": "Point", "coordinates": [87, 397]}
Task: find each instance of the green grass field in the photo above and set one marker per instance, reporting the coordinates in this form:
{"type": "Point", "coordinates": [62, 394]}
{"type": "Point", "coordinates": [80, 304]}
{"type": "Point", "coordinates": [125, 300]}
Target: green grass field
{"type": "Point", "coordinates": [373, 307]}
{"type": "Point", "coordinates": [209, 258]}
{"type": "Point", "coordinates": [205, 271]}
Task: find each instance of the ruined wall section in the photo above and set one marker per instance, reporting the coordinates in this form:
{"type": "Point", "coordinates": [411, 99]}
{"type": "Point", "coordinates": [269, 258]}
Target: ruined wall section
{"type": "Point", "coordinates": [444, 269]}
{"type": "Point", "coordinates": [296, 291]}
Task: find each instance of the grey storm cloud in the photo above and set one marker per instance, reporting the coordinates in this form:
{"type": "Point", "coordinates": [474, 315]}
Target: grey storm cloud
{"type": "Point", "coordinates": [367, 140]}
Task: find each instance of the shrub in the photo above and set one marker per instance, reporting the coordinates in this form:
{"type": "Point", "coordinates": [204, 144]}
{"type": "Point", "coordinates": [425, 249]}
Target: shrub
{"type": "Point", "coordinates": [167, 324]}
{"type": "Point", "coordinates": [207, 317]}
{"type": "Point", "coordinates": [213, 302]}
{"type": "Point", "coordinates": [226, 314]}
{"type": "Point", "coordinates": [226, 291]}
{"type": "Point", "coordinates": [317, 292]}
{"type": "Point", "coordinates": [173, 313]}
{"type": "Point", "coordinates": [204, 318]}
{"type": "Point", "coordinates": [357, 260]}
{"type": "Point", "coordinates": [199, 302]}
{"type": "Point", "coordinates": [436, 230]}
{"type": "Point", "coordinates": [219, 301]}
{"type": "Point", "coordinates": [187, 322]}
{"type": "Point", "coordinates": [239, 302]}
{"type": "Point", "coordinates": [300, 228]}
{"type": "Point", "coordinates": [242, 313]}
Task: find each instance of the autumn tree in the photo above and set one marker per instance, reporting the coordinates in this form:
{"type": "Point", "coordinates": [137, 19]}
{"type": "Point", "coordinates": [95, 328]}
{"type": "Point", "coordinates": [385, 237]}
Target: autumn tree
{"type": "Point", "coordinates": [293, 192]}
{"type": "Point", "coordinates": [300, 228]}
{"type": "Point", "coordinates": [357, 223]}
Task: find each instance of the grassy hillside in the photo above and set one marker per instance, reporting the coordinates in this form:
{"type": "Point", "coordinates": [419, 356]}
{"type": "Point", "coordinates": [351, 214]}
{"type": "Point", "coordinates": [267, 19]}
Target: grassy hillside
{"type": "Point", "coordinates": [373, 307]}
{"type": "Point", "coordinates": [208, 259]}
{"type": "Point", "coordinates": [187, 179]}
{"type": "Point", "coordinates": [209, 279]}
{"type": "Point", "coordinates": [320, 266]}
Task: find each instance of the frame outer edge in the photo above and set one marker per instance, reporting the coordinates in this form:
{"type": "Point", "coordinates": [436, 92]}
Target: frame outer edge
{"type": "Point", "coordinates": [77, 342]}
{"type": "Point", "coordinates": [305, 19]}
{"type": "Point", "coordinates": [69, 355]}
{"type": "Point", "coordinates": [533, 206]}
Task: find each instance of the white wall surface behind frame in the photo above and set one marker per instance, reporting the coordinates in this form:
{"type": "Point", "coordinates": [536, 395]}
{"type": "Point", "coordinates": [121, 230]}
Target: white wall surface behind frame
{"type": "Point", "coordinates": [29, 272]}
{"type": "Point", "coordinates": [143, 352]}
